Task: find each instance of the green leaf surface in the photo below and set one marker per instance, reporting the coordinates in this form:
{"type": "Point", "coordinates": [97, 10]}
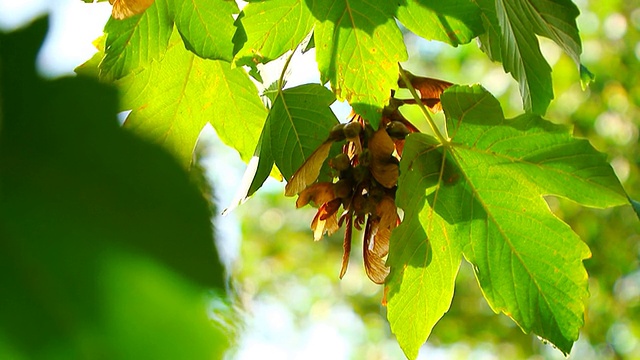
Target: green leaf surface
{"type": "Point", "coordinates": [358, 47]}
{"type": "Point", "coordinates": [174, 98]}
{"type": "Point", "coordinates": [299, 121]}
{"type": "Point", "coordinates": [519, 22]}
{"type": "Point", "coordinates": [486, 198]}
{"type": "Point", "coordinates": [454, 22]}
{"type": "Point", "coordinates": [423, 268]}
{"type": "Point", "coordinates": [273, 28]}
{"type": "Point", "coordinates": [207, 26]}
{"type": "Point", "coordinates": [135, 42]}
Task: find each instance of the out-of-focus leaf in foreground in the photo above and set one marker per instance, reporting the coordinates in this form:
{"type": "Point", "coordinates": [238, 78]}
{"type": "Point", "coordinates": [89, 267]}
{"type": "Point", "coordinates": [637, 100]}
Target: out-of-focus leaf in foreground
{"type": "Point", "coordinates": [484, 196]}
{"type": "Point", "coordinates": [107, 248]}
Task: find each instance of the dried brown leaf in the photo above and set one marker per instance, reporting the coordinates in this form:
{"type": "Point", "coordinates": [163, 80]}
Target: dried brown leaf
{"type": "Point", "coordinates": [430, 90]}
{"type": "Point", "coordinates": [123, 9]}
{"type": "Point", "coordinates": [309, 171]}
{"type": "Point", "coordinates": [348, 231]}
{"type": "Point", "coordinates": [318, 193]}
{"type": "Point", "coordinates": [384, 167]}
{"type": "Point", "coordinates": [375, 249]}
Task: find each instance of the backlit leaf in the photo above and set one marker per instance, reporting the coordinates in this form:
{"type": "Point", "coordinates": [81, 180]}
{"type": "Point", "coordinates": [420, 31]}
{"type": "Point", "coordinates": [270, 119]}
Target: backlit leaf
{"type": "Point", "coordinates": [455, 22]}
{"type": "Point", "coordinates": [207, 26]}
{"type": "Point", "coordinates": [485, 196]}
{"type": "Point", "coordinates": [273, 28]}
{"type": "Point", "coordinates": [135, 42]}
{"type": "Point", "coordinates": [512, 27]}
{"type": "Point", "coordinates": [358, 47]}
{"type": "Point", "coordinates": [174, 98]}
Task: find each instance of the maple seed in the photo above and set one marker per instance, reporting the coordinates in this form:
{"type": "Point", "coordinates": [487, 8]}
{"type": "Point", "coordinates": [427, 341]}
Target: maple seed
{"type": "Point", "coordinates": [430, 90]}
{"type": "Point", "coordinates": [352, 129]}
{"type": "Point", "coordinates": [397, 130]}
{"type": "Point", "coordinates": [342, 188]}
{"type": "Point", "coordinates": [337, 133]}
{"type": "Point", "coordinates": [340, 162]}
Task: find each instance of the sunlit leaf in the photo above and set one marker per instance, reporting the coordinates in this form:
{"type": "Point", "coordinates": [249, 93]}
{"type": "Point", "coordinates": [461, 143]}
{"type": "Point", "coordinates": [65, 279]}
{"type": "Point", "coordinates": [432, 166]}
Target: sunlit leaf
{"type": "Point", "coordinates": [272, 28]}
{"type": "Point", "coordinates": [420, 263]}
{"type": "Point", "coordinates": [358, 47]}
{"type": "Point", "coordinates": [207, 26]}
{"type": "Point", "coordinates": [512, 27]}
{"type": "Point", "coordinates": [174, 98]}
{"type": "Point", "coordinates": [485, 196]}
{"type": "Point", "coordinates": [455, 22]}
{"type": "Point", "coordinates": [135, 42]}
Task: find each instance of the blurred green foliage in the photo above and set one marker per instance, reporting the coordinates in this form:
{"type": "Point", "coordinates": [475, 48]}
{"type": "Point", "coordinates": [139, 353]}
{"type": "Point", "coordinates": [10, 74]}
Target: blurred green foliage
{"type": "Point", "coordinates": [106, 244]}
{"type": "Point", "coordinates": [281, 261]}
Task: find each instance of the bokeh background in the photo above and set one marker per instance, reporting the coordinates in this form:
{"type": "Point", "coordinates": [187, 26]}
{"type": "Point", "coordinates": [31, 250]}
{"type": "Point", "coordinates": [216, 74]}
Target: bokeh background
{"type": "Point", "coordinates": [286, 286]}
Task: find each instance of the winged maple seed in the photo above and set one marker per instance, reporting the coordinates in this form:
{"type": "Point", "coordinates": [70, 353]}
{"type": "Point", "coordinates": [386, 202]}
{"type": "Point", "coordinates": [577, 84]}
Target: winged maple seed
{"type": "Point", "coordinates": [364, 179]}
{"type": "Point", "coordinates": [123, 9]}
{"type": "Point", "coordinates": [430, 90]}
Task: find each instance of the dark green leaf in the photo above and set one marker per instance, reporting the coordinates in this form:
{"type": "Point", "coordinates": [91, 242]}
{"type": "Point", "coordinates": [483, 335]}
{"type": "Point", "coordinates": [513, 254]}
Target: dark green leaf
{"type": "Point", "coordinates": [299, 120]}
{"type": "Point", "coordinates": [455, 22]}
{"type": "Point", "coordinates": [512, 27]}
{"type": "Point", "coordinates": [107, 248]}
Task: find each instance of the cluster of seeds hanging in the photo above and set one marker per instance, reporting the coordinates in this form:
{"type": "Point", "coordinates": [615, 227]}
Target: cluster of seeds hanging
{"type": "Point", "coordinates": [364, 179]}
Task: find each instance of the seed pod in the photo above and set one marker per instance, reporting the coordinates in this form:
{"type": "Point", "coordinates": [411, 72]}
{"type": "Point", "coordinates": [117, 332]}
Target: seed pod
{"type": "Point", "coordinates": [337, 133]}
{"type": "Point", "coordinates": [397, 130]}
{"type": "Point", "coordinates": [352, 129]}
{"type": "Point", "coordinates": [340, 162]}
{"type": "Point", "coordinates": [342, 188]}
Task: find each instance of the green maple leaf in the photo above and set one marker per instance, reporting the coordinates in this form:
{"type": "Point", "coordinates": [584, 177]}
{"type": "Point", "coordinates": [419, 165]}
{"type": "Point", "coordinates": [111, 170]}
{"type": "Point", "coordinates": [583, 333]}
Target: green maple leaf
{"type": "Point", "coordinates": [135, 42]}
{"type": "Point", "coordinates": [174, 98]}
{"type": "Point", "coordinates": [358, 47]}
{"type": "Point", "coordinates": [298, 122]}
{"type": "Point", "coordinates": [273, 28]}
{"type": "Point", "coordinates": [511, 29]}
{"type": "Point", "coordinates": [207, 29]}
{"type": "Point", "coordinates": [481, 195]}
{"type": "Point", "coordinates": [455, 22]}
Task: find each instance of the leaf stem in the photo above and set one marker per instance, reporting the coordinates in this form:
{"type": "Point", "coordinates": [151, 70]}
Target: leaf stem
{"type": "Point", "coordinates": [423, 108]}
{"type": "Point", "coordinates": [284, 70]}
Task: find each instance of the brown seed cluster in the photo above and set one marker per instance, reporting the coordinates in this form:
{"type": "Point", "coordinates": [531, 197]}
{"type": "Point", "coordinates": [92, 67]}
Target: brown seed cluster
{"type": "Point", "coordinates": [364, 182]}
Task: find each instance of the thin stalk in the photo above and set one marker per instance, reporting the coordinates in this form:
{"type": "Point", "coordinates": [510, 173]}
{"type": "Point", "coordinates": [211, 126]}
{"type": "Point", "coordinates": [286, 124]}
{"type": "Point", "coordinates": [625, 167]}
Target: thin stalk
{"type": "Point", "coordinates": [284, 70]}
{"type": "Point", "coordinates": [423, 108]}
